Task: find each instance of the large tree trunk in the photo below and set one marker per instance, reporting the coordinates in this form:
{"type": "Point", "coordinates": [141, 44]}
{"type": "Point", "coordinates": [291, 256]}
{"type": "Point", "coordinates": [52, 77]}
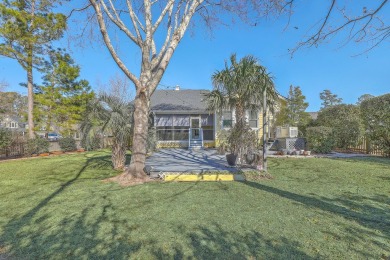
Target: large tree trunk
{"type": "Point", "coordinates": [138, 155]}
{"type": "Point", "coordinates": [30, 96]}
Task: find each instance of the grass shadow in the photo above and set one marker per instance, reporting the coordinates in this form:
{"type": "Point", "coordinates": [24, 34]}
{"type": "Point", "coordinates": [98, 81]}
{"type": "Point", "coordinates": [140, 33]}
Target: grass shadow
{"type": "Point", "coordinates": [215, 242]}
{"type": "Point", "coordinates": [358, 208]}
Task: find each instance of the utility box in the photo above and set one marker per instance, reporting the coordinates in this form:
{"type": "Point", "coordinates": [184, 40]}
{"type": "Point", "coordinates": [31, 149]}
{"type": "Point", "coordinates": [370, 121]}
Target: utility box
{"type": "Point", "coordinates": [286, 131]}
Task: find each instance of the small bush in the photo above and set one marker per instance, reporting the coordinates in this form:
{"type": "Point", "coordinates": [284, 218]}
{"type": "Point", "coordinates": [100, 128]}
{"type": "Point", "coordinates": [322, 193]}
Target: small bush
{"type": "Point", "coordinates": [67, 144]}
{"type": "Point", "coordinates": [222, 144]}
{"type": "Point", "coordinates": [320, 139]}
{"type": "Point", "coordinates": [37, 146]}
{"type": "Point", "coordinates": [242, 140]}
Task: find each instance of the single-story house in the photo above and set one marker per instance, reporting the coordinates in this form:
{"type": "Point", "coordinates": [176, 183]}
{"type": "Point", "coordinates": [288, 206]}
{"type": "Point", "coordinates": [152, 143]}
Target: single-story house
{"type": "Point", "coordinates": [181, 119]}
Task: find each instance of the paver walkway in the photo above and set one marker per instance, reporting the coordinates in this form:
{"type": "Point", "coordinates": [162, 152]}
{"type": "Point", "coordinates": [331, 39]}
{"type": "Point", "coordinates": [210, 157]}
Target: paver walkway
{"type": "Point", "coordinates": [191, 161]}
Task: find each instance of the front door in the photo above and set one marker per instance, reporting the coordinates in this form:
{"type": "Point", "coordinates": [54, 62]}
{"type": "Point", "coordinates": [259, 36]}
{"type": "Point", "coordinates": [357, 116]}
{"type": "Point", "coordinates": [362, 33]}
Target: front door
{"type": "Point", "coordinates": [195, 128]}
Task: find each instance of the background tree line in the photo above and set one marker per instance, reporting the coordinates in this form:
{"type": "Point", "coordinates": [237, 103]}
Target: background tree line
{"type": "Point", "coordinates": [343, 125]}
{"type": "Point", "coordinates": [338, 125]}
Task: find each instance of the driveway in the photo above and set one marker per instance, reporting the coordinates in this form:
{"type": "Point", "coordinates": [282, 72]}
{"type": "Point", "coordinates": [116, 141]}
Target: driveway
{"type": "Point", "coordinates": [188, 161]}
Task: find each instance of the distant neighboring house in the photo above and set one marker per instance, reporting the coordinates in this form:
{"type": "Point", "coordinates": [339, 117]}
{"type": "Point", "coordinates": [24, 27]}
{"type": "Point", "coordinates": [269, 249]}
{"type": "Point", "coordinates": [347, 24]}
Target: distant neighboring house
{"type": "Point", "coordinates": [181, 119]}
{"type": "Point", "coordinates": [313, 115]}
{"type": "Point", "coordinates": [13, 123]}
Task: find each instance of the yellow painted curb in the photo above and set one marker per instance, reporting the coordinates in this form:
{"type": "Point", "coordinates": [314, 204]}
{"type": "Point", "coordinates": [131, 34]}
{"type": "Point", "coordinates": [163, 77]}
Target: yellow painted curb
{"type": "Point", "coordinates": [204, 177]}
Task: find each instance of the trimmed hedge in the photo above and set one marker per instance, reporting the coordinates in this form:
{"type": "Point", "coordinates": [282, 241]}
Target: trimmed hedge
{"type": "Point", "coordinates": [320, 139]}
{"type": "Point", "coordinates": [67, 144]}
{"type": "Point", "coordinates": [376, 117]}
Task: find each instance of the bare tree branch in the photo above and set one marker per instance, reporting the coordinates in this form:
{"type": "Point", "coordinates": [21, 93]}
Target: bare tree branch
{"type": "Point", "coordinates": [78, 10]}
{"type": "Point", "coordinates": [106, 38]}
{"type": "Point", "coordinates": [366, 27]}
{"type": "Point", "coordinates": [118, 22]}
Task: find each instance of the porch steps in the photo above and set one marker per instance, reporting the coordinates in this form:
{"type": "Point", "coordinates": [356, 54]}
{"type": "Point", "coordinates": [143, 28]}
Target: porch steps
{"type": "Point", "coordinates": [195, 144]}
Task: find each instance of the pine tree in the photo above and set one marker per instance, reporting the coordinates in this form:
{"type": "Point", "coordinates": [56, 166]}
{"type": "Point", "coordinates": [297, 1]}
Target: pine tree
{"type": "Point", "coordinates": [293, 112]}
{"type": "Point", "coordinates": [329, 99]}
{"type": "Point", "coordinates": [63, 98]}
{"type": "Point", "coordinates": [27, 29]}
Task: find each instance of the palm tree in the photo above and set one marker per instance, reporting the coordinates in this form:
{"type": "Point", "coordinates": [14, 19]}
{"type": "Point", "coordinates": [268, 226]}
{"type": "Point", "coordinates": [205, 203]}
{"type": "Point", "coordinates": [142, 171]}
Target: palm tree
{"type": "Point", "coordinates": [110, 115]}
{"type": "Point", "coordinates": [241, 86]}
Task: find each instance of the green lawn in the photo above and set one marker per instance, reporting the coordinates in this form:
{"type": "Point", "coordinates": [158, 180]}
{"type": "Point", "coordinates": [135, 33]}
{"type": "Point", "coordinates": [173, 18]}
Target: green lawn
{"type": "Point", "coordinates": [57, 207]}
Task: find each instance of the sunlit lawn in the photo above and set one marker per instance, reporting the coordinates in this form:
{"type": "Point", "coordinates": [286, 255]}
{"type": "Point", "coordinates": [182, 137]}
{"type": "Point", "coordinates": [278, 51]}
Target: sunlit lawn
{"type": "Point", "coordinates": [58, 207]}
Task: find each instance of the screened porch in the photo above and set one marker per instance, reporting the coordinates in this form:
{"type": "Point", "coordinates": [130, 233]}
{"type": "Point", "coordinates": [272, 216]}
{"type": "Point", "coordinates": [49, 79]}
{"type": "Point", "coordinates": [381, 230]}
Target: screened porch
{"type": "Point", "coordinates": [176, 127]}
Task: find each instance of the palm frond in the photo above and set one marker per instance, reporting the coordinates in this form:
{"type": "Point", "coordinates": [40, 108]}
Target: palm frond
{"type": "Point", "coordinates": [242, 82]}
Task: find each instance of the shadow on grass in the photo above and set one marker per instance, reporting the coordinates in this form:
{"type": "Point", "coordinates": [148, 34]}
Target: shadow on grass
{"type": "Point", "coordinates": [372, 213]}
{"type": "Point", "coordinates": [13, 231]}
{"type": "Point", "coordinates": [95, 231]}
{"type": "Point", "coordinates": [109, 237]}
{"type": "Point", "coordinates": [214, 242]}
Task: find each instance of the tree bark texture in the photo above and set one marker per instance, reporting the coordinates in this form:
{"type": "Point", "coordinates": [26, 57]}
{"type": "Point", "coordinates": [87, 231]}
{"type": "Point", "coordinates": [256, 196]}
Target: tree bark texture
{"type": "Point", "coordinates": [240, 115]}
{"type": "Point", "coordinates": [140, 135]}
{"type": "Point", "coordinates": [30, 102]}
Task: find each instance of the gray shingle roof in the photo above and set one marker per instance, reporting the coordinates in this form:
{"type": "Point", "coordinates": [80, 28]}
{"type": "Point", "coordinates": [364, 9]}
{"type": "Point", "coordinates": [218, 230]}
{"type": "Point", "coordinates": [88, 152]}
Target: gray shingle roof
{"type": "Point", "coordinates": [313, 115]}
{"type": "Point", "coordinates": [178, 100]}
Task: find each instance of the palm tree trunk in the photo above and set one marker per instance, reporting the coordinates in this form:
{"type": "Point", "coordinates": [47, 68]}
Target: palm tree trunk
{"type": "Point", "coordinates": [118, 156]}
{"type": "Point", "coordinates": [240, 115]}
{"type": "Point", "coordinates": [240, 124]}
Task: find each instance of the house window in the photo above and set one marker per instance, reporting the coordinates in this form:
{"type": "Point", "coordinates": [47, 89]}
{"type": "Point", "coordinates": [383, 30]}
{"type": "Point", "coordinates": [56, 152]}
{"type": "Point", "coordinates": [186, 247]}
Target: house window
{"type": "Point", "coordinates": [227, 121]}
{"type": "Point", "coordinates": [253, 118]}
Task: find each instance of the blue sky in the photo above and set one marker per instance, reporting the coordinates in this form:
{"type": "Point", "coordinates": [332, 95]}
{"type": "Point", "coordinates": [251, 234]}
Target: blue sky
{"type": "Point", "coordinates": [199, 55]}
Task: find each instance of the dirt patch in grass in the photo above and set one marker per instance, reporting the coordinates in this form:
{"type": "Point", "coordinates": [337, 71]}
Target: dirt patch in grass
{"type": "Point", "coordinates": [4, 253]}
{"type": "Point", "coordinates": [127, 180]}
{"type": "Point", "coordinates": [257, 176]}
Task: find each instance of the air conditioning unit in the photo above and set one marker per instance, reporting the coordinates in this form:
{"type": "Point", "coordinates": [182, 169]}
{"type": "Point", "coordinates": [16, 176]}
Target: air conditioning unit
{"type": "Point", "coordinates": [286, 131]}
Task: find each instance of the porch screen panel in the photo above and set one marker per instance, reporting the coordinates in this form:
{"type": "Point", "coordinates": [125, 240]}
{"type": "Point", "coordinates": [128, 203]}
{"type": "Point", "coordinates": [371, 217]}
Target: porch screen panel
{"type": "Point", "coordinates": [207, 120]}
{"type": "Point", "coordinates": [181, 120]}
{"type": "Point", "coordinates": [208, 127]}
{"type": "Point", "coordinates": [164, 120]}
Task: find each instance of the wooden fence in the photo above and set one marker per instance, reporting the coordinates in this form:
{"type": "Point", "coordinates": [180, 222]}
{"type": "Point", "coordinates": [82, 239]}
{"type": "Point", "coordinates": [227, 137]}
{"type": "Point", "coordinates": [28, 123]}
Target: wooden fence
{"type": "Point", "coordinates": [19, 150]}
{"type": "Point", "coordinates": [364, 146]}
{"type": "Point", "coordinates": [16, 150]}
